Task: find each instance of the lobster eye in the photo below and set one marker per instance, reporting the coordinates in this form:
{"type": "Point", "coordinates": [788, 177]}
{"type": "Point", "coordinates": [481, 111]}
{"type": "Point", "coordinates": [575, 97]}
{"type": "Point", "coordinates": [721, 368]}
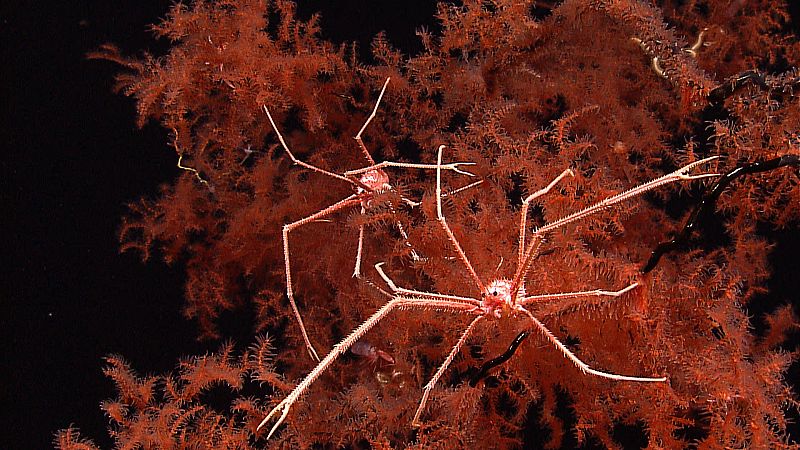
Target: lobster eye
{"type": "Point", "coordinates": [494, 292]}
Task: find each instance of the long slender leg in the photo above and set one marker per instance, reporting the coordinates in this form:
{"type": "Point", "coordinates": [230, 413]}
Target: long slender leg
{"type": "Point", "coordinates": [373, 165]}
{"type": "Point", "coordinates": [413, 204]}
{"type": "Point", "coordinates": [349, 201]}
{"type": "Point", "coordinates": [346, 343]}
{"type": "Point", "coordinates": [412, 293]}
{"type": "Point", "coordinates": [526, 202]}
{"type": "Point", "coordinates": [524, 265]}
{"type": "Point", "coordinates": [442, 368]}
{"type": "Point", "coordinates": [449, 166]}
{"type": "Point", "coordinates": [369, 119]}
{"type": "Point", "coordinates": [450, 193]}
{"type": "Point", "coordinates": [357, 268]}
{"type": "Point", "coordinates": [680, 174]}
{"type": "Point", "coordinates": [446, 227]}
{"type": "Point", "coordinates": [404, 235]}
{"type": "Point", "coordinates": [582, 366]}
{"type": "Point", "coordinates": [303, 163]}
{"type": "Point", "coordinates": [414, 255]}
{"type": "Point", "coordinates": [579, 294]}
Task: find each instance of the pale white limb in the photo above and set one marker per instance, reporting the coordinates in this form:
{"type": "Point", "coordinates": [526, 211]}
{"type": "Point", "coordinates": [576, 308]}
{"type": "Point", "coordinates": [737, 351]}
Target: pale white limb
{"type": "Point", "coordinates": [450, 166]}
{"type": "Point", "coordinates": [369, 119]}
{"type": "Point", "coordinates": [357, 268]}
{"type": "Point", "coordinates": [526, 202]}
{"type": "Point", "coordinates": [462, 256]}
{"type": "Point", "coordinates": [374, 166]}
{"type": "Point", "coordinates": [567, 295]}
{"type": "Point", "coordinates": [412, 204]}
{"type": "Point", "coordinates": [340, 348]}
{"type": "Point", "coordinates": [582, 366]}
{"type": "Point", "coordinates": [300, 162]}
{"type": "Point", "coordinates": [429, 387]}
{"type": "Point", "coordinates": [525, 265]}
{"type": "Point", "coordinates": [414, 255]}
{"type": "Point", "coordinates": [420, 294]}
{"type": "Point", "coordinates": [349, 201]}
{"type": "Point", "coordinates": [450, 193]}
{"type": "Point", "coordinates": [462, 189]}
{"type": "Point", "coordinates": [678, 175]}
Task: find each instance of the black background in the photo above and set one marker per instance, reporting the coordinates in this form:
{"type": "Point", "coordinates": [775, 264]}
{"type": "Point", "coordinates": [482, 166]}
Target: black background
{"type": "Point", "coordinates": [72, 158]}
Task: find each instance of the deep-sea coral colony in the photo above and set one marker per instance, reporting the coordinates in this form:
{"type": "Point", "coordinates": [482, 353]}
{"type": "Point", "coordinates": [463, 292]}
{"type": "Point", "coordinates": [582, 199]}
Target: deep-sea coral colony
{"type": "Point", "coordinates": [499, 299]}
{"type": "Point", "coordinates": [367, 182]}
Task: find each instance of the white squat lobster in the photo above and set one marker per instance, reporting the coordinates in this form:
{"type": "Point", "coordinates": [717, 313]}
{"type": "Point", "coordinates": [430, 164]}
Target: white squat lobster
{"type": "Point", "coordinates": [500, 298]}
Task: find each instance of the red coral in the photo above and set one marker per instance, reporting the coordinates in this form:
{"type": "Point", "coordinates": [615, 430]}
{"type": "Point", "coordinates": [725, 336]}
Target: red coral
{"type": "Point", "coordinates": [524, 98]}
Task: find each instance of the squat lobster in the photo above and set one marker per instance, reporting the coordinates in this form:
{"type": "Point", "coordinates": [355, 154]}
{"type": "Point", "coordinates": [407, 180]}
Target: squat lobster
{"type": "Point", "coordinates": [367, 182]}
{"type": "Point", "coordinates": [499, 299]}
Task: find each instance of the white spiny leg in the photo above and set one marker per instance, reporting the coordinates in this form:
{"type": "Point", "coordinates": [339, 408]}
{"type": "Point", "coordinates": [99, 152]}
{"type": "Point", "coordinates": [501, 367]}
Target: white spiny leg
{"type": "Point", "coordinates": [442, 368]}
{"type": "Point", "coordinates": [526, 202]}
{"type": "Point", "coordinates": [381, 165]}
{"type": "Point", "coordinates": [349, 201]}
{"type": "Point", "coordinates": [303, 163]}
{"type": "Point", "coordinates": [453, 192]}
{"type": "Point", "coordinates": [357, 269]}
{"type": "Point", "coordinates": [340, 348]}
{"type": "Point", "coordinates": [582, 366]}
{"type": "Point", "coordinates": [526, 263]}
{"type": "Point", "coordinates": [369, 119]}
{"type": "Point", "coordinates": [450, 166]}
{"type": "Point", "coordinates": [402, 230]}
{"type": "Point", "coordinates": [450, 193]}
{"type": "Point", "coordinates": [678, 175]}
{"type": "Point", "coordinates": [420, 294]}
{"type": "Point", "coordinates": [579, 294]}
{"type": "Point", "coordinates": [412, 204]}
{"type": "Point", "coordinates": [443, 223]}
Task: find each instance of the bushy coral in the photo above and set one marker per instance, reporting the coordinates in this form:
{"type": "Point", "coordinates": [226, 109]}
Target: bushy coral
{"type": "Point", "coordinates": [620, 91]}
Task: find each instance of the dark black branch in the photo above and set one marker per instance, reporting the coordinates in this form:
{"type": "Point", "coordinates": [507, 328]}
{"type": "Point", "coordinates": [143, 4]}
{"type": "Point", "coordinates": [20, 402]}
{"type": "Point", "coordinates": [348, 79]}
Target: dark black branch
{"type": "Point", "coordinates": [706, 205]}
{"type": "Point", "coordinates": [494, 362]}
